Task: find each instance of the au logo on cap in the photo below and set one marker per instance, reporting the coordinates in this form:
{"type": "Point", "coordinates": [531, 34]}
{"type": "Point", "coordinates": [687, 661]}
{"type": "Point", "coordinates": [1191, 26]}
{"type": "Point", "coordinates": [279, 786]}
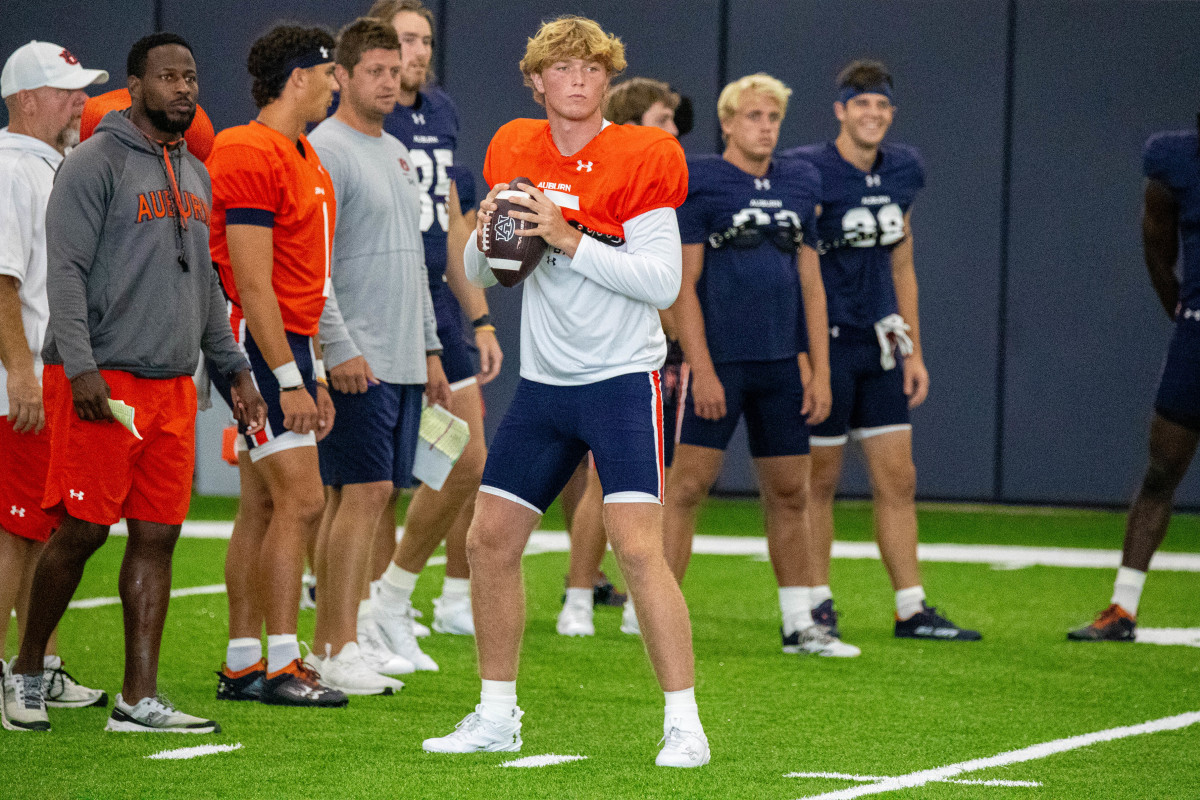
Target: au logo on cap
{"type": "Point", "coordinates": [324, 52]}
{"type": "Point", "coordinates": [67, 56]}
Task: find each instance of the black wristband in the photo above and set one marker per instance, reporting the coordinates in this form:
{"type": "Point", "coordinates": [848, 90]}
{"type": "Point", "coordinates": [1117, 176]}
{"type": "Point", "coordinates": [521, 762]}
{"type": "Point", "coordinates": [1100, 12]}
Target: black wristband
{"type": "Point", "coordinates": [290, 388]}
{"type": "Point", "coordinates": [437, 353]}
{"type": "Point", "coordinates": [486, 319]}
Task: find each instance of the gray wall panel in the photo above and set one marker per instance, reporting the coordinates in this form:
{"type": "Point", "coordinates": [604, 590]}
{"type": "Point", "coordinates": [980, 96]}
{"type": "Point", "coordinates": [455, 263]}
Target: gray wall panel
{"type": "Point", "coordinates": [1087, 335]}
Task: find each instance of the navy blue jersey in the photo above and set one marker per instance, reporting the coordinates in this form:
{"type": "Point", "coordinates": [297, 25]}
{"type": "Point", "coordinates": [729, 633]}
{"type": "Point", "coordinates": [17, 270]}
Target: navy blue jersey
{"type": "Point", "coordinates": [429, 129]}
{"type": "Point", "coordinates": [1171, 158]}
{"type": "Point", "coordinates": [752, 229]}
{"type": "Point", "coordinates": [862, 219]}
{"type": "Point", "coordinates": [464, 181]}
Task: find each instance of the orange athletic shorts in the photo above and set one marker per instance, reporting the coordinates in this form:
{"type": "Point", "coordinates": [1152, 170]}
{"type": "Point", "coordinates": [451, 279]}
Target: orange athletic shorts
{"type": "Point", "coordinates": [100, 472]}
{"type": "Point", "coordinates": [24, 461]}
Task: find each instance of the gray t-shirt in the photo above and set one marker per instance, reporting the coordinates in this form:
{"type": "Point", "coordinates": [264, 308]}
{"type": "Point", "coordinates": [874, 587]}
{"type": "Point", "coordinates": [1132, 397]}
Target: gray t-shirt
{"type": "Point", "coordinates": [380, 306]}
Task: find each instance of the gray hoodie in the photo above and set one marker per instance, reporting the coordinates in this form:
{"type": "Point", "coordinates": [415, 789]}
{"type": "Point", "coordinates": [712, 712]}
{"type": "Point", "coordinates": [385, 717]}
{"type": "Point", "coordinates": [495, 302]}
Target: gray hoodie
{"type": "Point", "coordinates": [130, 287]}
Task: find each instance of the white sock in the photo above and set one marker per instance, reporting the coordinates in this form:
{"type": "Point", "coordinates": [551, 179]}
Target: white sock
{"type": "Point", "coordinates": [1127, 591]}
{"type": "Point", "coordinates": [51, 662]}
{"type": "Point", "coordinates": [498, 699]}
{"type": "Point", "coordinates": [282, 649]}
{"type": "Point", "coordinates": [364, 609]}
{"type": "Point", "coordinates": [456, 587]}
{"type": "Point", "coordinates": [396, 586]}
{"type": "Point", "coordinates": [680, 710]}
{"type": "Point", "coordinates": [794, 607]}
{"type": "Point", "coordinates": [579, 597]}
{"type": "Point", "coordinates": [910, 601]}
{"type": "Point", "coordinates": [820, 594]}
{"type": "Point", "coordinates": [242, 653]}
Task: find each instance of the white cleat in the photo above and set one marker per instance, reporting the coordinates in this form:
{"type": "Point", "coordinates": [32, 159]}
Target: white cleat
{"type": "Point", "coordinates": [453, 615]}
{"type": "Point", "coordinates": [419, 630]}
{"type": "Point", "coordinates": [63, 691]}
{"type": "Point", "coordinates": [349, 673]}
{"type": "Point", "coordinates": [480, 734]}
{"type": "Point", "coordinates": [155, 715]}
{"type": "Point", "coordinates": [816, 640]}
{"type": "Point", "coordinates": [22, 702]}
{"type": "Point", "coordinates": [395, 629]}
{"type": "Point", "coordinates": [576, 620]}
{"type": "Point", "coordinates": [683, 748]}
{"type": "Point", "coordinates": [375, 653]}
{"type": "Point", "coordinates": [308, 592]}
{"type": "Point", "coordinates": [629, 620]}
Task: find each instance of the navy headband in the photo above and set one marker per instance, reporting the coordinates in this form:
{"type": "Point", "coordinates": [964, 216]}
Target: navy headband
{"type": "Point", "coordinates": [848, 93]}
{"type": "Point", "coordinates": [317, 54]}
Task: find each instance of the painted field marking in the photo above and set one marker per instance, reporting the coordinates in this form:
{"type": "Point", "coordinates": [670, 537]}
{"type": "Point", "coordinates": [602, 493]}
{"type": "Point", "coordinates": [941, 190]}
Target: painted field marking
{"type": "Point", "coordinates": [188, 591]}
{"type": "Point", "coordinates": [1031, 753]}
{"type": "Point", "coordinates": [542, 761]}
{"type": "Point", "coordinates": [195, 752]}
{"type": "Point", "coordinates": [841, 776]}
{"type": "Point", "coordinates": [1186, 636]}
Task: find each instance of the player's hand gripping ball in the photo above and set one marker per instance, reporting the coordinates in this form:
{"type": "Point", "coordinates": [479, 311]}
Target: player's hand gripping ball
{"type": "Point", "coordinates": [511, 257]}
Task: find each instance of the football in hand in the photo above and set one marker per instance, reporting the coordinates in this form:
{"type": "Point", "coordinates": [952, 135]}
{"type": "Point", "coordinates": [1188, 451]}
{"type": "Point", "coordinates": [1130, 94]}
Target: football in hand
{"type": "Point", "coordinates": [511, 257]}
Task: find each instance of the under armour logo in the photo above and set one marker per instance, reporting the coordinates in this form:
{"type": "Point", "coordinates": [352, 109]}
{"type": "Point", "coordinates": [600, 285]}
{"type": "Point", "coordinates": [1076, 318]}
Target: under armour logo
{"type": "Point", "coordinates": [582, 166]}
{"type": "Point", "coordinates": [76, 495]}
{"type": "Point", "coordinates": [17, 512]}
{"type": "Point", "coordinates": [318, 190]}
{"type": "Point", "coordinates": [874, 180]}
{"type": "Point", "coordinates": [67, 56]}
{"type": "Point", "coordinates": [403, 164]}
{"type": "Point", "coordinates": [418, 119]}
{"type": "Point", "coordinates": [324, 52]}
{"type": "Point", "coordinates": [762, 184]}
{"type": "Point", "coordinates": [1190, 314]}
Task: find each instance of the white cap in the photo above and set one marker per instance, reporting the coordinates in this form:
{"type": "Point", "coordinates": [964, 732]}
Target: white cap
{"type": "Point", "coordinates": [39, 64]}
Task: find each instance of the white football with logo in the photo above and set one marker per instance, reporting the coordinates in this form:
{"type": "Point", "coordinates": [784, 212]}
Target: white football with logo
{"type": "Point", "coordinates": [511, 257]}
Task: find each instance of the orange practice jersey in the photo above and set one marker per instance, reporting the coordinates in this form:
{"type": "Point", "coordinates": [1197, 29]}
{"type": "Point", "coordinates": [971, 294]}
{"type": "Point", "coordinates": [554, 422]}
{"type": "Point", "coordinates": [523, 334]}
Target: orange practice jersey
{"type": "Point", "coordinates": [625, 171]}
{"type": "Point", "coordinates": [260, 178]}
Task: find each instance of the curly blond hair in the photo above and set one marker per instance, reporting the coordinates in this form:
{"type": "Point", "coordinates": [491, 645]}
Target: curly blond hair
{"type": "Point", "coordinates": [760, 83]}
{"type": "Point", "coordinates": [571, 37]}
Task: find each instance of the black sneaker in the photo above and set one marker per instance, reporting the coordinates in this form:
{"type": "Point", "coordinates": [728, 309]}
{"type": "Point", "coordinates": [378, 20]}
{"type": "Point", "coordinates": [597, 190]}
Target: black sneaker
{"type": "Point", "coordinates": [298, 684]}
{"type": "Point", "coordinates": [246, 684]}
{"type": "Point", "coordinates": [928, 624]}
{"type": "Point", "coordinates": [605, 594]}
{"type": "Point", "coordinates": [826, 617]}
{"type": "Point", "coordinates": [1114, 624]}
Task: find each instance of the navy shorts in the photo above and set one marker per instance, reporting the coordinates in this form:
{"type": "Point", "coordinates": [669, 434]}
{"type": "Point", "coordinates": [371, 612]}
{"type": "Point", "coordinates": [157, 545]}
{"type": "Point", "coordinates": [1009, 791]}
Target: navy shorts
{"type": "Point", "coordinates": [769, 393]}
{"type": "Point", "coordinates": [549, 429]}
{"type": "Point", "coordinates": [458, 353]}
{"type": "Point", "coordinates": [867, 399]}
{"type": "Point", "coordinates": [274, 436]}
{"type": "Point", "coordinates": [374, 436]}
{"type": "Point", "coordinates": [1178, 397]}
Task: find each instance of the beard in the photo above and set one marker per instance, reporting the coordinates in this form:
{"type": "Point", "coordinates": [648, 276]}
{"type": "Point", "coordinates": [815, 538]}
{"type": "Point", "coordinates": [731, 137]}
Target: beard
{"type": "Point", "coordinates": [68, 137]}
{"type": "Point", "coordinates": [161, 120]}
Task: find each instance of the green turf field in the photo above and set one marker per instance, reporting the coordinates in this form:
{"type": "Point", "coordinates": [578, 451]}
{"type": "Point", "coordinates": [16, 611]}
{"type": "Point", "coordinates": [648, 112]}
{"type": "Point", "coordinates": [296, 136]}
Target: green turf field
{"type": "Point", "coordinates": [900, 708]}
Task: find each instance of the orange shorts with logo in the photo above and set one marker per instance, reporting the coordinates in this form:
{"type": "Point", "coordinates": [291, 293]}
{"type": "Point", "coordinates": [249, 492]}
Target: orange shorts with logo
{"type": "Point", "coordinates": [24, 461]}
{"type": "Point", "coordinates": [100, 472]}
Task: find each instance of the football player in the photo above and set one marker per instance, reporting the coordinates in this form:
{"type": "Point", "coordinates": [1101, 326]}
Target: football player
{"type": "Point", "coordinates": [637, 101]}
{"type": "Point", "coordinates": [1170, 214]}
{"type": "Point", "coordinates": [876, 367]}
{"type": "Point", "coordinates": [604, 200]}
{"type": "Point", "coordinates": [426, 122]}
{"type": "Point", "coordinates": [749, 253]}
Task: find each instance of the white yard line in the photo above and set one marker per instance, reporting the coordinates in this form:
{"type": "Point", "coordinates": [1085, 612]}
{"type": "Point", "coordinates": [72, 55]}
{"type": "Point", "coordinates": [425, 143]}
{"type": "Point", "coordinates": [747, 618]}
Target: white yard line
{"type": "Point", "coordinates": [1031, 753]}
{"type": "Point", "coordinates": [542, 761]}
{"type": "Point", "coordinates": [189, 591]}
{"type": "Point", "coordinates": [195, 752]}
{"type": "Point", "coordinates": [842, 776]}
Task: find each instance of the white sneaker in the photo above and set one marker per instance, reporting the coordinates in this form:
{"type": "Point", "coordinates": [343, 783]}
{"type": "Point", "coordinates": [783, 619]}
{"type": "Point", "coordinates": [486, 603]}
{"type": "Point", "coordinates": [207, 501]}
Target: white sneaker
{"type": "Point", "coordinates": [396, 632]}
{"type": "Point", "coordinates": [375, 653]}
{"type": "Point", "coordinates": [682, 748]}
{"type": "Point", "coordinates": [308, 592]}
{"type": "Point", "coordinates": [453, 615]}
{"type": "Point", "coordinates": [817, 640]}
{"type": "Point", "coordinates": [629, 621]}
{"type": "Point", "coordinates": [63, 691]}
{"type": "Point", "coordinates": [22, 702]}
{"type": "Point", "coordinates": [576, 620]}
{"type": "Point", "coordinates": [420, 631]}
{"type": "Point", "coordinates": [155, 715]}
{"type": "Point", "coordinates": [348, 673]}
{"type": "Point", "coordinates": [480, 734]}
